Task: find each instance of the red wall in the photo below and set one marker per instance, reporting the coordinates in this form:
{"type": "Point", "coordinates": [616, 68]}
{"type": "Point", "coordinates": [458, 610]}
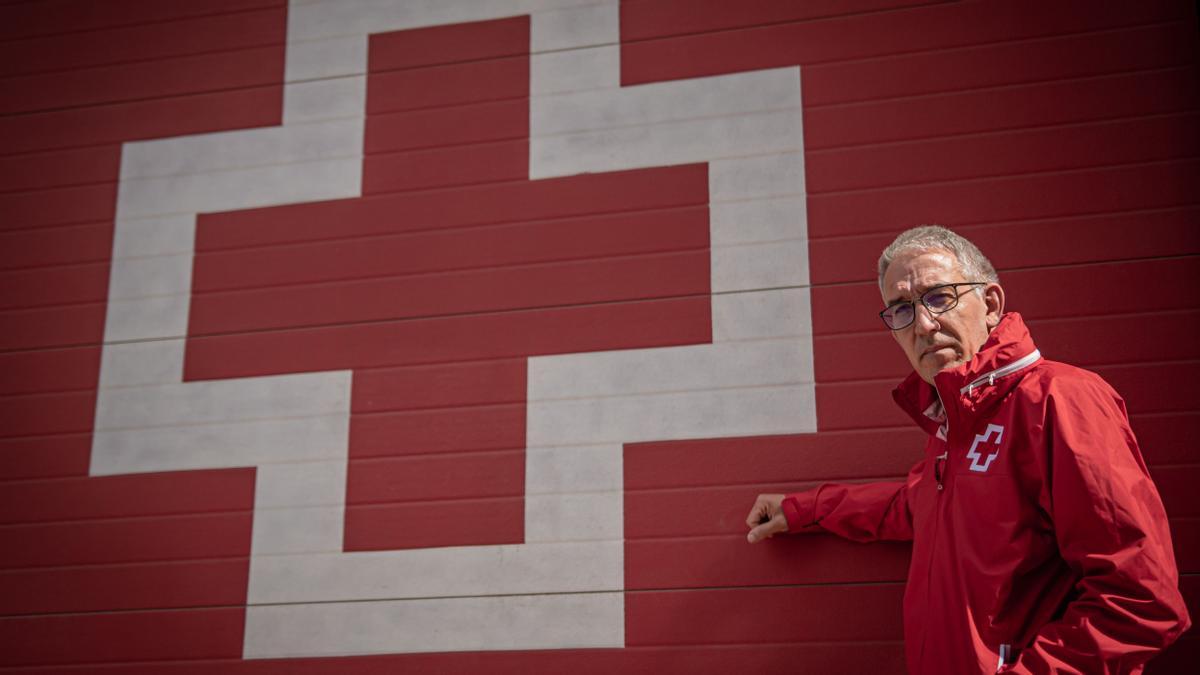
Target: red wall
{"type": "Point", "coordinates": [1060, 137]}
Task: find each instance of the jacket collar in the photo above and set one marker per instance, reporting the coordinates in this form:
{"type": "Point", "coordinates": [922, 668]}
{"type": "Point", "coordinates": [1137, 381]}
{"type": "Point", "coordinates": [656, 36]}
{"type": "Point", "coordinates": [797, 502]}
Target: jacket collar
{"type": "Point", "coordinates": [973, 388]}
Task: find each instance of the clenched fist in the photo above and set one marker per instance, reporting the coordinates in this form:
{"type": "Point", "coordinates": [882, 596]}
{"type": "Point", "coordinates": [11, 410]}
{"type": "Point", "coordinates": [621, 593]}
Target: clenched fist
{"type": "Point", "coordinates": [766, 518]}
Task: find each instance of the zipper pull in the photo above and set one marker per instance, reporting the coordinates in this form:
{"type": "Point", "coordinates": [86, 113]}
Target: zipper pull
{"type": "Point", "coordinates": [937, 469]}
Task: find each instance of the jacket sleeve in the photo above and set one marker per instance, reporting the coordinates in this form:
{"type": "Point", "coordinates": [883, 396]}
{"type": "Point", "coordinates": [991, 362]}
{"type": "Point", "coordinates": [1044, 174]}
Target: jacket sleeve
{"type": "Point", "coordinates": [859, 512]}
{"type": "Point", "coordinates": [1112, 532]}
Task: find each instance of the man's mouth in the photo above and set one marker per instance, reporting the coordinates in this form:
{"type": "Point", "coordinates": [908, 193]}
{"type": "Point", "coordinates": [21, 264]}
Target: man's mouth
{"type": "Point", "coordinates": [934, 349]}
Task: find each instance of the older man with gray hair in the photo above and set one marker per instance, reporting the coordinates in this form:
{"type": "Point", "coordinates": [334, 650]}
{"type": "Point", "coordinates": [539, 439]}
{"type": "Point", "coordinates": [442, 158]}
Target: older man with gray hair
{"type": "Point", "coordinates": [1040, 544]}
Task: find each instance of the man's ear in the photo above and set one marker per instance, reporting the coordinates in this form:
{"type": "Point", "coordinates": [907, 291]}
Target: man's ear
{"type": "Point", "coordinates": [993, 299]}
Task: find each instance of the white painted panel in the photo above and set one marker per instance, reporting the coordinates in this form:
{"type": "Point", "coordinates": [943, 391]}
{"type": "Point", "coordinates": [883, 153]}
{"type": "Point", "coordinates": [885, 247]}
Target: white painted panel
{"type": "Point", "coordinates": [643, 371]}
{"type": "Point", "coordinates": [312, 529]}
{"type": "Point", "coordinates": [218, 446]}
{"type": "Point", "coordinates": [146, 318]}
{"type": "Point", "coordinates": [575, 70]}
{"type": "Point", "coordinates": [755, 177]}
{"type": "Point", "coordinates": [721, 96]}
{"type": "Point", "coordinates": [296, 395]}
{"type": "Point", "coordinates": [162, 235]}
{"type": "Point", "coordinates": [759, 220]}
{"type": "Point", "coordinates": [586, 468]}
{"type": "Point", "coordinates": [203, 153]}
{"type": "Point", "coordinates": [241, 189]}
{"type": "Point", "coordinates": [667, 143]}
{"type": "Point", "coordinates": [762, 315]}
{"type": "Point", "coordinates": [584, 516]}
{"type": "Point", "coordinates": [132, 278]}
{"type": "Point", "coordinates": [745, 267]}
{"type": "Point", "coordinates": [333, 57]}
{"type": "Point", "coordinates": [652, 417]}
{"type": "Point", "coordinates": [320, 483]}
{"type": "Point", "coordinates": [575, 27]}
{"type": "Point", "coordinates": [574, 620]}
{"type": "Point", "coordinates": [140, 363]}
{"type": "Point", "coordinates": [325, 99]}
{"type": "Point", "coordinates": [439, 572]}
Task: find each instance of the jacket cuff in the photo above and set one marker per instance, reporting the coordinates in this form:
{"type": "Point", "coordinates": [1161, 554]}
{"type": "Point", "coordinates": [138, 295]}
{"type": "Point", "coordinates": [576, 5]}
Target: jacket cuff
{"type": "Point", "coordinates": [800, 511]}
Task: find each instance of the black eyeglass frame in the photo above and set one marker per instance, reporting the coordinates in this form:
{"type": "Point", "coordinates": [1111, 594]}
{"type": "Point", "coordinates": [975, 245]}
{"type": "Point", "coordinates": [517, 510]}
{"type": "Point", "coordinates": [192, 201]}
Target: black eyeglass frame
{"type": "Point", "coordinates": [931, 289]}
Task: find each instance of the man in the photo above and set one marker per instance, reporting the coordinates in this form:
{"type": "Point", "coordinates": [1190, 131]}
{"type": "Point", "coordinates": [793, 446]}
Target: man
{"type": "Point", "coordinates": [1040, 544]}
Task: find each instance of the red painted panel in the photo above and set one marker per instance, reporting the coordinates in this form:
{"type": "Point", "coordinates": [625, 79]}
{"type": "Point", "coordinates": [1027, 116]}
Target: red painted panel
{"type": "Point", "coordinates": [123, 636]}
{"type": "Point", "coordinates": [455, 293]}
{"type": "Point", "coordinates": [545, 331]}
{"type": "Point", "coordinates": [54, 286]}
{"type": "Point", "coordinates": [1057, 57]}
{"type": "Point", "coordinates": [188, 584]}
{"type": "Point", "coordinates": [45, 456]}
{"type": "Point", "coordinates": [830, 658]}
{"type": "Point", "coordinates": [1185, 539]}
{"type": "Point", "coordinates": [477, 123]}
{"type": "Point", "coordinates": [451, 249]}
{"type": "Point", "coordinates": [872, 35]}
{"type": "Point", "coordinates": [212, 535]}
{"type": "Point", "coordinates": [55, 245]}
{"type": "Point", "coordinates": [474, 522]}
{"type": "Point", "coordinates": [60, 168]}
{"type": "Point", "coordinates": [160, 78]}
{"type": "Point", "coordinates": [1156, 92]}
{"type": "Point", "coordinates": [183, 492]}
{"type": "Point", "coordinates": [1167, 438]}
{"type": "Point", "coordinates": [726, 561]}
{"type": "Point", "coordinates": [155, 118]}
{"type": "Point", "coordinates": [51, 327]}
{"type": "Point", "coordinates": [1093, 238]}
{"type": "Point", "coordinates": [462, 475]}
{"type": "Point", "coordinates": [58, 206]}
{"type": "Point", "coordinates": [1146, 186]}
{"type": "Point", "coordinates": [454, 43]}
{"type": "Point", "coordinates": [754, 615]}
{"type": "Point", "coordinates": [1177, 487]}
{"type": "Point", "coordinates": [858, 405]}
{"type": "Point", "coordinates": [446, 167]}
{"type": "Point", "coordinates": [63, 16]}
{"type": "Point", "coordinates": [705, 512]}
{"type": "Point", "coordinates": [767, 459]}
{"type": "Point", "coordinates": [591, 195]}
{"type": "Point", "coordinates": [54, 413]}
{"type": "Point", "coordinates": [642, 20]}
{"type": "Point", "coordinates": [456, 84]}
{"type": "Point", "coordinates": [221, 32]}
{"type": "Point", "coordinates": [1008, 153]}
{"type": "Point", "coordinates": [493, 427]}
{"type": "Point", "coordinates": [441, 385]}
{"type": "Point", "coordinates": [49, 370]}
{"type": "Point", "coordinates": [1142, 386]}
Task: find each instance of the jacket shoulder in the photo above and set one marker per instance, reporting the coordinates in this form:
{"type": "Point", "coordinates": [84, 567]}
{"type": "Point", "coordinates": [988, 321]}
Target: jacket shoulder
{"type": "Point", "coordinates": [1057, 380]}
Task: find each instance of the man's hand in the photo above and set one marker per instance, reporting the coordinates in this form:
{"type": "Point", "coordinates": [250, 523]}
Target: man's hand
{"type": "Point", "coordinates": [766, 518]}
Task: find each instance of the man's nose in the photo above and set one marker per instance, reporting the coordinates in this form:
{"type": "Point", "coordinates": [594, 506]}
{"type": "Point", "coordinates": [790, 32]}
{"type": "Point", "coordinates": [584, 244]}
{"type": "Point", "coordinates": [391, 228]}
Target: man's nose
{"type": "Point", "coordinates": [924, 322]}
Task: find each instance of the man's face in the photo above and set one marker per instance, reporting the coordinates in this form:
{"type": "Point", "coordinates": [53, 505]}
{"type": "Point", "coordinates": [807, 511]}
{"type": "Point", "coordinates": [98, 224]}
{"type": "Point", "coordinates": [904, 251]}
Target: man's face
{"type": "Point", "coordinates": [936, 342]}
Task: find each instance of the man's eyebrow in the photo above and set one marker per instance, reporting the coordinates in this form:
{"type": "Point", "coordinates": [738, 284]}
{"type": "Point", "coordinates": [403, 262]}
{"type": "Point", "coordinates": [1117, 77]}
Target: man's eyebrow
{"type": "Point", "coordinates": [918, 292]}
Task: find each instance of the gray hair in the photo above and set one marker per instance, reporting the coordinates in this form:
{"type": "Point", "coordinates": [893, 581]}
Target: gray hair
{"type": "Point", "coordinates": [974, 264]}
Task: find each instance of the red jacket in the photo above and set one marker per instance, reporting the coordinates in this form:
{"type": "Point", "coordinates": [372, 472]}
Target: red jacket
{"type": "Point", "coordinates": [1038, 537]}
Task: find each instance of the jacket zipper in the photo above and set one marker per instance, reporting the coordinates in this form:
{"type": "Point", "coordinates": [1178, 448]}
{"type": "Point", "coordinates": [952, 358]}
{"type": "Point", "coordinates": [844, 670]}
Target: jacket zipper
{"type": "Point", "coordinates": [990, 378]}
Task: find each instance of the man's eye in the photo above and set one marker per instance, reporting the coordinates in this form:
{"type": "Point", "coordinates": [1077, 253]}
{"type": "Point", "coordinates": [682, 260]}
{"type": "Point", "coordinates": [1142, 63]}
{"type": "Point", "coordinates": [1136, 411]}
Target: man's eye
{"type": "Point", "coordinates": [940, 299]}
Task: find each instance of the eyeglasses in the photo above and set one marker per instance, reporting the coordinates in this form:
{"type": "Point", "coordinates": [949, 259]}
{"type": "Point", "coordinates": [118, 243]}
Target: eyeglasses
{"type": "Point", "coordinates": [938, 300]}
